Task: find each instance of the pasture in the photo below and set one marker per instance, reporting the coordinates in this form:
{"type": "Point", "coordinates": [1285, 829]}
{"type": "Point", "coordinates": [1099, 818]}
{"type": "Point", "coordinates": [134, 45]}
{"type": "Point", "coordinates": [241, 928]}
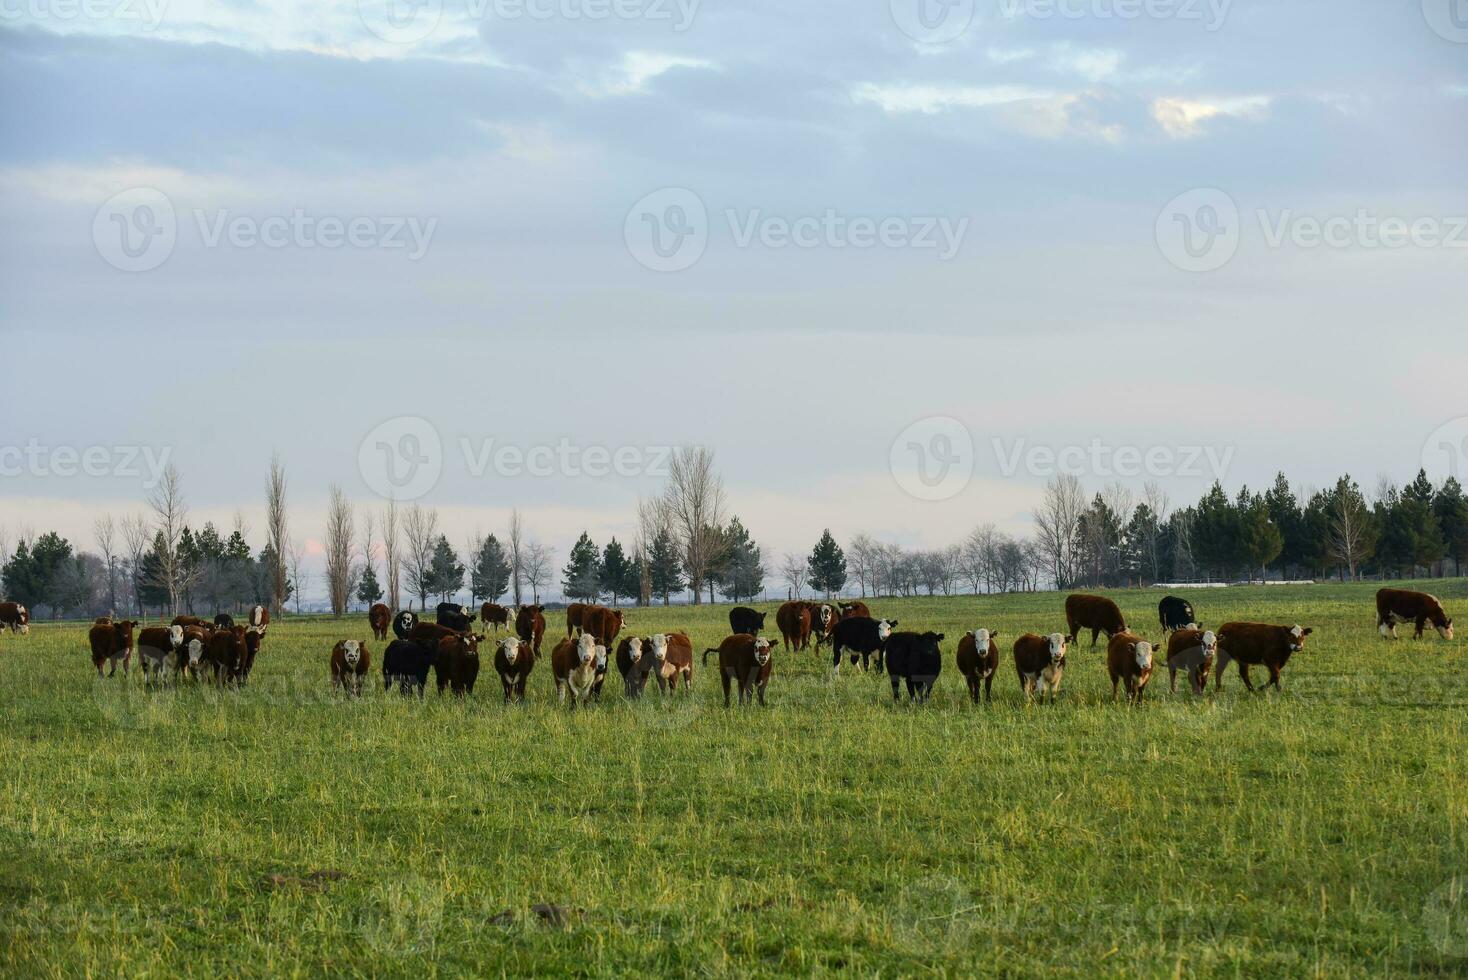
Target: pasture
{"type": "Point", "coordinates": [1319, 831]}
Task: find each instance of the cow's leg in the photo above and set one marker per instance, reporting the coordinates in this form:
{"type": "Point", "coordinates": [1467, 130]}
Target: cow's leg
{"type": "Point", "coordinates": [1223, 661]}
{"type": "Point", "coordinates": [1094, 634]}
{"type": "Point", "coordinates": [1421, 623]}
{"type": "Point", "coordinates": [1273, 676]}
{"type": "Point", "coordinates": [989, 687]}
{"type": "Point", "coordinates": [1244, 675]}
{"type": "Point", "coordinates": [1114, 679]}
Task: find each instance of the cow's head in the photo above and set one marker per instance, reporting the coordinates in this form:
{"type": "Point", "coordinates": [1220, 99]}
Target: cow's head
{"type": "Point", "coordinates": [601, 657]}
{"type": "Point", "coordinates": [615, 620]}
{"type": "Point", "coordinates": [175, 637]}
{"type": "Point", "coordinates": [825, 617]}
{"type": "Point", "coordinates": [1297, 638]}
{"type": "Point", "coordinates": [195, 651]}
{"type": "Point", "coordinates": [510, 647]}
{"type": "Point", "coordinates": [762, 650]}
{"type": "Point", "coordinates": [1057, 647]}
{"type": "Point", "coordinates": [1445, 629]}
{"type": "Point", "coordinates": [23, 620]}
{"type": "Point", "coordinates": [634, 648]}
{"type": "Point", "coordinates": [1142, 654]}
{"type": "Point", "coordinates": [585, 648]}
{"type": "Point", "coordinates": [982, 639]}
{"type": "Point", "coordinates": [760, 622]}
{"type": "Point", "coordinates": [659, 643]}
{"type": "Point", "coordinates": [352, 652]}
{"type": "Point", "coordinates": [884, 629]}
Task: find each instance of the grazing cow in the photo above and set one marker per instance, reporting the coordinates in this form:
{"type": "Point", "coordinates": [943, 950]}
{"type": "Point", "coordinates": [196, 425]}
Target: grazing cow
{"type": "Point", "coordinates": [349, 663]}
{"type": "Point", "coordinates": [112, 640]}
{"type": "Point", "coordinates": [378, 617]}
{"type": "Point", "coordinates": [917, 659]}
{"type": "Point", "coordinates": [823, 618]}
{"type": "Point", "coordinates": [602, 623]}
{"type": "Point", "coordinates": [743, 619]}
{"type": "Point", "coordinates": [456, 617]}
{"type": "Point", "coordinates": [1252, 644]}
{"type": "Point", "coordinates": [1129, 662]}
{"type": "Point", "coordinates": [575, 613]}
{"type": "Point", "coordinates": [259, 619]}
{"type": "Point", "coordinates": [15, 617]}
{"type": "Point", "coordinates": [225, 654]}
{"type": "Point", "coordinates": [672, 655]}
{"type": "Point", "coordinates": [745, 659]}
{"type": "Point", "coordinates": [977, 660]}
{"type": "Point", "coordinates": [863, 637]}
{"type": "Point", "coordinates": [404, 623]}
{"type": "Point", "coordinates": [513, 660]}
{"type": "Point", "coordinates": [635, 662]}
{"type": "Point", "coordinates": [1040, 663]}
{"type": "Point", "coordinates": [530, 626]}
{"type": "Point", "coordinates": [189, 621]}
{"type": "Point", "coordinates": [223, 621]}
{"type": "Point", "coordinates": [1403, 606]}
{"type": "Point", "coordinates": [1095, 613]}
{"type": "Point", "coordinates": [1193, 650]}
{"type": "Point", "coordinates": [793, 621]}
{"type": "Point", "coordinates": [161, 650]}
{"type": "Point", "coordinates": [850, 610]}
{"type": "Point", "coordinates": [458, 662]}
{"type": "Point", "coordinates": [406, 663]}
{"type": "Point", "coordinates": [574, 663]}
{"type": "Point", "coordinates": [1176, 614]}
{"type": "Point", "coordinates": [494, 614]}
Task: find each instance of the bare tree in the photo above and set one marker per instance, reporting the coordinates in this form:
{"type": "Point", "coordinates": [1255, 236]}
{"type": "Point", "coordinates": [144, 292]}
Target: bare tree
{"type": "Point", "coordinates": [340, 543]}
{"type": "Point", "coordinates": [516, 539]}
{"type": "Point", "coordinates": [170, 514]}
{"type": "Point", "coordinates": [1351, 542]}
{"type": "Point", "coordinates": [277, 533]}
{"type": "Point", "coordinates": [861, 556]}
{"type": "Point", "coordinates": [135, 542]}
{"type": "Point", "coordinates": [105, 531]}
{"type": "Point", "coordinates": [296, 555]}
{"type": "Point", "coordinates": [540, 563]}
{"type": "Point", "coordinates": [793, 569]}
{"type": "Point", "coordinates": [420, 533]}
{"type": "Point", "coordinates": [1056, 526]}
{"type": "Point", "coordinates": [694, 502]}
{"type": "Point", "coordinates": [391, 559]}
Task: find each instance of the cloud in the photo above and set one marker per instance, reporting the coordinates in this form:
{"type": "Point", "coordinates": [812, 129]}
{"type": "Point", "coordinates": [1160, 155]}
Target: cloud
{"type": "Point", "coordinates": [636, 69]}
{"type": "Point", "coordinates": [1183, 118]}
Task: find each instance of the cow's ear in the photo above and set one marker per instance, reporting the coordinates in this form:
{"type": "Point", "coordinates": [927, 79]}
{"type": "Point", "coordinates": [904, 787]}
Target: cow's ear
{"type": "Point", "coordinates": [993, 634]}
{"type": "Point", "coordinates": [1308, 631]}
{"type": "Point", "coordinates": [940, 636]}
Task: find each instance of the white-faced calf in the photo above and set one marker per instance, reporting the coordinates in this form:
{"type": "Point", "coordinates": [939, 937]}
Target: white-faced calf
{"type": "Point", "coordinates": [1253, 644]}
{"type": "Point", "coordinates": [1040, 663]}
{"type": "Point", "coordinates": [977, 660]}
{"type": "Point", "coordinates": [1194, 650]}
{"type": "Point", "coordinates": [574, 663]}
{"type": "Point", "coordinates": [513, 661]}
{"type": "Point", "coordinates": [673, 660]}
{"type": "Point", "coordinates": [1129, 662]}
{"type": "Point", "coordinates": [745, 660]}
{"type": "Point", "coordinates": [349, 662]}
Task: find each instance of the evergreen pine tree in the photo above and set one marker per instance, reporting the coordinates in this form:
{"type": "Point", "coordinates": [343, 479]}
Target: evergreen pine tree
{"type": "Point", "coordinates": [619, 577]}
{"type": "Point", "coordinates": [664, 567]}
{"type": "Point", "coordinates": [368, 590]}
{"type": "Point", "coordinates": [827, 565]}
{"type": "Point", "coordinates": [490, 576]}
{"type": "Point", "coordinates": [581, 578]}
{"type": "Point", "coordinates": [446, 574]}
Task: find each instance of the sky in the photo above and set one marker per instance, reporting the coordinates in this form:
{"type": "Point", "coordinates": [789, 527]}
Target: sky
{"type": "Point", "coordinates": [897, 262]}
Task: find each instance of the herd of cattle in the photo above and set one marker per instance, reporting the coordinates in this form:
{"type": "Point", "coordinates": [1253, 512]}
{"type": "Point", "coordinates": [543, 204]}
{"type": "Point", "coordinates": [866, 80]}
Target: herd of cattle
{"type": "Point", "coordinates": [449, 647]}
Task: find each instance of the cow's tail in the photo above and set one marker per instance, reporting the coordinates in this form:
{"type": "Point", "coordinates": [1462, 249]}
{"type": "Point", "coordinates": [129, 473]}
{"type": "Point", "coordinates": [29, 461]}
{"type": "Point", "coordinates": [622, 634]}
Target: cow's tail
{"type": "Point", "coordinates": [706, 654]}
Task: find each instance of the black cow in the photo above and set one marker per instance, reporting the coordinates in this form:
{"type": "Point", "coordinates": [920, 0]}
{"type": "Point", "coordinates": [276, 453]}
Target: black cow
{"type": "Point", "coordinates": [743, 619]}
{"type": "Point", "coordinates": [224, 621]}
{"type": "Point", "coordinates": [406, 664]}
{"type": "Point", "coordinates": [863, 636]}
{"type": "Point", "coordinates": [916, 658]}
{"type": "Point", "coordinates": [1176, 614]}
{"type": "Point", "coordinates": [456, 617]}
{"type": "Point", "coordinates": [404, 623]}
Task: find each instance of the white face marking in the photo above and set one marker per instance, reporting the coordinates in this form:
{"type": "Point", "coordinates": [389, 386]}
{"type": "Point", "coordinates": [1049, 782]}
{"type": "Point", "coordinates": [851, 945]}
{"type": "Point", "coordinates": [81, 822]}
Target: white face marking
{"type": "Point", "coordinates": [761, 651]}
{"type": "Point", "coordinates": [1446, 632]}
{"type": "Point", "coordinates": [1297, 632]}
{"type": "Point", "coordinates": [1057, 646]}
{"type": "Point", "coordinates": [1210, 643]}
{"type": "Point", "coordinates": [634, 649]}
{"type": "Point", "coordinates": [175, 636]}
{"type": "Point", "coordinates": [1384, 629]}
{"type": "Point", "coordinates": [351, 652]}
{"type": "Point", "coordinates": [585, 647]}
{"type": "Point", "coordinates": [659, 643]}
{"type": "Point", "coordinates": [1143, 652]}
{"type": "Point", "coordinates": [196, 652]}
{"type": "Point", "coordinates": [883, 630]}
{"type": "Point", "coordinates": [981, 641]}
{"type": "Point", "coordinates": [511, 647]}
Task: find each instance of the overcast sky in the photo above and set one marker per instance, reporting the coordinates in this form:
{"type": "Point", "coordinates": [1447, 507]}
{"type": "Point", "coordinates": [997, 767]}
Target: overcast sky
{"type": "Point", "coordinates": [832, 241]}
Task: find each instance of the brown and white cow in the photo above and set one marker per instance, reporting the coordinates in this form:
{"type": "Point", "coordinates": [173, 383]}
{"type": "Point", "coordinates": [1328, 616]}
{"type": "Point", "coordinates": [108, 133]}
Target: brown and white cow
{"type": "Point", "coordinates": [431, 633]}
{"type": "Point", "coordinates": [1194, 650]}
{"type": "Point", "coordinates": [161, 650]}
{"type": "Point", "coordinates": [494, 614]}
{"type": "Point", "coordinates": [977, 660]}
{"type": "Point", "coordinates": [635, 662]}
{"type": "Point", "coordinates": [191, 621]}
{"type": "Point", "coordinates": [575, 615]}
{"type": "Point", "coordinates": [379, 617]}
{"type": "Point", "coordinates": [1040, 663]}
{"type": "Point", "coordinates": [259, 620]}
{"type": "Point", "coordinates": [602, 623]}
{"type": "Point", "coordinates": [1095, 613]}
{"type": "Point", "coordinates": [574, 663]}
{"type": "Point", "coordinates": [1129, 662]}
{"type": "Point", "coordinates": [793, 621]}
{"type": "Point", "coordinates": [112, 640]}
{"type": "Point", "coordinates": [1252, 644]}
{"type": "Point", "coordinates": [672, 655]}
{"type": "Point", "coordinates": [225, 654]}
{"type": "Point", "coordinates": [823, 619]}
{"type": "Point", "coordinates": [349, 662]}
{"type": "Point", "coordinates": [747, 661]}
{"type": "Point", "coordinates": [457, 667]}
{"type": "Point", "coordinates": [855, 608]}
{"type": "Point", "coordinates": [1395, 606]}
{"type": "Point", "coordinates": [15, 617]}
{"type": "Point", "coordinates": [530, 626]}
{"type": "Point", "coordinates": [514, 658]}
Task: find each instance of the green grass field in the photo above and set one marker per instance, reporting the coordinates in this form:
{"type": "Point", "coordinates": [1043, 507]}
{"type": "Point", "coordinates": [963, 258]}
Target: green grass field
{"type": "Point", "coordinates": [1321, 831]}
